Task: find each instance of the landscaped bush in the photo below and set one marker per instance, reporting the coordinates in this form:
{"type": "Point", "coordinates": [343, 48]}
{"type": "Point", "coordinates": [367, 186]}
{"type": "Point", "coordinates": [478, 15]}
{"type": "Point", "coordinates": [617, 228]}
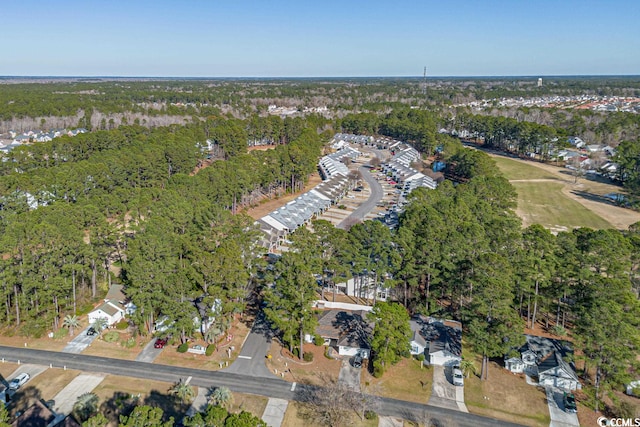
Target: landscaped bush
{"type": "Point", "coordinates": [343, 207]}
{"type": "Point", "coordinates": [129, 343]}
{"type": "Point", "coordinates": [370, 415]}
{"type": "Point", "coordinates": [318, 340]}
{"type": "Point", "coordinates": [111, 336]}
{"type": "Point", "coordinates": [420, 357]}
{"type": "Point", "coordinates": [308, 357]}
{"type": "Point", "coordinates": [122, 325]}
{"type": "Point", "coordinates": [210, 349]}
{"type": "Point", "coordinates": [182, 348]}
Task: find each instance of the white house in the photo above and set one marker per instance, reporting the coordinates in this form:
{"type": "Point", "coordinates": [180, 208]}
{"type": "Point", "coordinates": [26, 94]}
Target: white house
{"type": "Point", "coordinates": [515, 365]}
{"type": "Point", "coordinates": [111, 312]}
{"type": "Point", "coordinates": [113, 309]}
{"type": "Point", "coordinates": [439, 340]}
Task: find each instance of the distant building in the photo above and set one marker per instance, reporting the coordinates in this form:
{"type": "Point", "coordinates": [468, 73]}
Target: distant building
{"type": "Point", "coordinates": [540, 82]}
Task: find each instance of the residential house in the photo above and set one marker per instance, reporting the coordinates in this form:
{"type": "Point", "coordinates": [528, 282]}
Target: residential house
{"type": "Point", "coordinates": [438, 339]}
{"type": "Point", "coordinates": [39, 415]}
{"type": "Point", "coordinates": [114, 307]}
{"type": "Point", "coordinates": [347, 331]}
{"type": "Point", "coordinates": [544, 358]}
{"type": "Point", "coordinates": [554, 371]}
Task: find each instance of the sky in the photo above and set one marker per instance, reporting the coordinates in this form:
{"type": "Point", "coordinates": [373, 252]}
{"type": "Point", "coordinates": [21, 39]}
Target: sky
{"type": "Point", "coordinates": [282, 38]}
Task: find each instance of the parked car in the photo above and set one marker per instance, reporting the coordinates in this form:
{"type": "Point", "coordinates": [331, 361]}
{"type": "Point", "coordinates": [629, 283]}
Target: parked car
{"type": "Point", "coordinates": [91, 331]}
{"type": "Point", "coordinates": [19, 381]}
{"type": "Point", "coordinates": [161, 342]}
{"type": "Point", "coordinates": [569, 401]}
{"type": "Point", "coordinates": [357, 361]}
{"type": "Point", "coordinates": [458, 378]}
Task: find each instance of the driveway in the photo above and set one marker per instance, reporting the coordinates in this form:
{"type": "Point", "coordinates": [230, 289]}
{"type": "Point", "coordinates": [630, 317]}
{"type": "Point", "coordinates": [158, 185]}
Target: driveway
{"type": "Point", "coordinates": [81, 384]}
{"type": "Point", "coordinates": [252, 357]}
{"type": "Point", "coordinates": [80, 342]}
{"type": "Point", "coordinates": [32, 370]}
{"type": "Point", "coordinates": [349, 375]}
{"type": "Point", "coordinates": [444, 394]}
{"type": "Point", "coordinates": [149, 352]}
{"type": "Point", "coordinates": [559, 418]}
{"type": "Point", "coordinates": [376, 195]}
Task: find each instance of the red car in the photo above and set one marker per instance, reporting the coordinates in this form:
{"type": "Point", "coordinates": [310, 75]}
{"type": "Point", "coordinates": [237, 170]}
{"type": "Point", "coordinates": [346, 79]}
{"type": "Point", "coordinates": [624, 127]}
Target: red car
{"type": "Point", "coordinates": [160, 343]}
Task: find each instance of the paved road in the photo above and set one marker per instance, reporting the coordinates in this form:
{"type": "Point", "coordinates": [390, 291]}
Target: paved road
{"type": "Point", "coordinates": [376, 195]}
{"type": "Point", "coordinates": [251, 360]}
{"type": "Point", "coordinates": [242, 383]}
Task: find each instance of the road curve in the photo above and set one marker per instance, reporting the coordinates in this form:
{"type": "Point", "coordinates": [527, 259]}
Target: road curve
{"type": "Point", "coordinates": [369, 204]}
{"type": "Point", "coordinates": [270, 387]}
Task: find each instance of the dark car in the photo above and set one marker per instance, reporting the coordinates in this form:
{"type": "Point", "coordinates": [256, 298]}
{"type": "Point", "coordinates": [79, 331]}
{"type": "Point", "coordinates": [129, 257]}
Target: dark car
{"type": "Point", "coordinates": [569, 401]}
{"type": "Point", "coordinates": [91, 331]}
{"type": "Point", "coordinates": [160, 342]}
{"type": "Point", "coordinates": [357, 361]}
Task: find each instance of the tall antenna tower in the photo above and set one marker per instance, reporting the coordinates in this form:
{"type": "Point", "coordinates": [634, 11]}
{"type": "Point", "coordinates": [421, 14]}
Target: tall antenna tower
{"type": "Point", "coordinates": [424, 83]}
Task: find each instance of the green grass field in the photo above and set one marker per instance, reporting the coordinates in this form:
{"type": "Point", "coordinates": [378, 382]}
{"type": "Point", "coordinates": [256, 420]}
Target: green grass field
{"type": "Point", "coordinates": [513, 169]}
{"type": "Point", "coordinates": [544, 203]}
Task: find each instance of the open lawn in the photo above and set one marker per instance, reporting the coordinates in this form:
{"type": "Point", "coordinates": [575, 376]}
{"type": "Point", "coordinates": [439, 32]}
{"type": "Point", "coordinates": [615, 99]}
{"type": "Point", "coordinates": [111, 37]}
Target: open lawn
{"type": "Point", "coordinates": [404, 381]}
{"type": "Point", "coordinates": [7, 369]}
{"type": "Point", "coordinates": [545, 203]}
{"type": "Point", "coordinates": [507, 397]}
{"type": "Point", "coordinates": [318, 372]}
{"type": "Point", "coordinates": [237, 334]}
{"type": "Point", "coordinates": [250, 403]}
{"type": "Point", "coordinates": [116, 350]}
{"type": "Point", "coordinates": [514, 169]}
{"type": "Point", "coordinates": [545, 192]}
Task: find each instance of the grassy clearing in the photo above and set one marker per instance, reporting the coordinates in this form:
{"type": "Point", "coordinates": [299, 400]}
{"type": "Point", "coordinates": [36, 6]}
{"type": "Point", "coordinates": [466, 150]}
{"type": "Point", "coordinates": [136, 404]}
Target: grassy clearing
{"type": "Point", "coordinates": [508, 397]}
{"type": "Point", "coordinates": [115, 350]}
{"type": "Point", "coordinates": [250, 403]}
{"type": "Point", "coordinates": [404, 381]}
{"type": "Point", "coordinates": [513, 169]}
{"type": "Point", "coordinates": [544, 203]}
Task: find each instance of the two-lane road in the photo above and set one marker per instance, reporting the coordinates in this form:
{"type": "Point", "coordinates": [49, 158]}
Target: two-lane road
{"type": "Point", "coordinates": [243, 383]}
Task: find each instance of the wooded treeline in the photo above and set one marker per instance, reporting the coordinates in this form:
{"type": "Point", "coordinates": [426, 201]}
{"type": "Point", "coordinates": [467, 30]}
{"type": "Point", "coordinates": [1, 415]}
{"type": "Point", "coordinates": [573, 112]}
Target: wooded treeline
{"type": "Point", "coordinates": [71, 208]}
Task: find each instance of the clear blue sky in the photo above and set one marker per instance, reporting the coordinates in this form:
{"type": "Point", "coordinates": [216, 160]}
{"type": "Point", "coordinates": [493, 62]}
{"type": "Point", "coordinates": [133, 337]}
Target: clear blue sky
{"type": "Point", "coordinates": [278, 38]}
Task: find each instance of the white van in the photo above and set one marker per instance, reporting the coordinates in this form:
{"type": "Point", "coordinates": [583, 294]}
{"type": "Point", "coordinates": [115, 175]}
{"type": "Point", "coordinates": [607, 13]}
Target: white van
{"type": "Point", "coordinates": [458, 379]}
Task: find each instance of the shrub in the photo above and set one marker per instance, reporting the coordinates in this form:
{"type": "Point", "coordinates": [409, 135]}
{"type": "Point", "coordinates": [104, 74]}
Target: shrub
{"type": "Point", "coordinates": [182, 348]}
{"type": "Point", "coordinates": [343, 207]}
{"type": "Point", "coordinates": [84, 309]}
{"type": "Point", "coordinates": [128, 343]}
{"type": "Point", "coordinates": [308, 357]}
{"type": "Point", "coordinates": [370, 415]}
{"type": "Point", "coordinates": [420, 357]}
{"type": "Point", "coordinates": [122, 325]}
{"type": "Point", "coordinates": [318, 340]}
{"type": "Point", "coordinates": [210, 349]}
{"type": "Point", "coordinates": [34, 328]}
{"type": "Point", "coordinates": [111, 336]}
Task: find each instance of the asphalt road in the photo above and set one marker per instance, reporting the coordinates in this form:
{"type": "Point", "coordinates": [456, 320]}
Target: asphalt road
{"type": "Point", "coordinates": [238, 382]}
{"type": "Point", "coordinates": [372, 201]}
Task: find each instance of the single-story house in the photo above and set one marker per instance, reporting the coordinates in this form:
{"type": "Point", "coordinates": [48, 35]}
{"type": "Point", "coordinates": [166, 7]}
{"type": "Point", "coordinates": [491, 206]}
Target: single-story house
{"type": "Point", "coordinates": [554, 371]}
{"type": "Point", "coordinates": [347, 331]}
{"type": "Point", "coordinates": [439, 340]}
{"type": "Point", "coordinates": [114, 307]}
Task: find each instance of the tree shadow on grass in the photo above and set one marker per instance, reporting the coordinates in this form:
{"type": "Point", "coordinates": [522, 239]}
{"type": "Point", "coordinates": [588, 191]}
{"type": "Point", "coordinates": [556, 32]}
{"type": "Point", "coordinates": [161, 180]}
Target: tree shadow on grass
{"type": "Point", "coordinates": [171, 406]}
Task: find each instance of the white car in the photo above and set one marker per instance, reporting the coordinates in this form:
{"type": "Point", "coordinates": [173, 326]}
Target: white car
{"type": "Point", "coordinates": [19, 381]}
{"type": "Point", "coordinates": [458, 379]}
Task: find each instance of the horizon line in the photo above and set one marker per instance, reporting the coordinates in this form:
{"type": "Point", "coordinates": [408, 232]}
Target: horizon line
{"type": "Point", "coordinates": [311, 77]}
